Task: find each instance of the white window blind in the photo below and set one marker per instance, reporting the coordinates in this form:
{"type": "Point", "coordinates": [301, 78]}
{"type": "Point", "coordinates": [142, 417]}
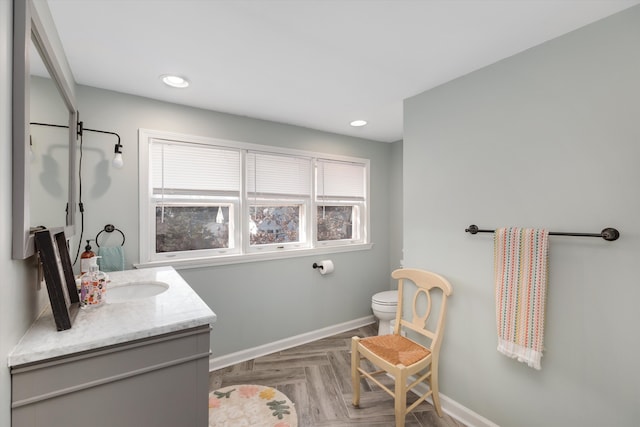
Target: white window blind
{"type": "Point", "coordinates": [336, 179]}
{"type": "Point", "coordinates": [193, 167]}
{"type": "Point", "coordinates": [278, 174]}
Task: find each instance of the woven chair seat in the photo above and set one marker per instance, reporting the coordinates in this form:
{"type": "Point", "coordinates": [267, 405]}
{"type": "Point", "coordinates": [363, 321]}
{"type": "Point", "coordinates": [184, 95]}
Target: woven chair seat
{"type": "Point", "coordinates": [395, 349]}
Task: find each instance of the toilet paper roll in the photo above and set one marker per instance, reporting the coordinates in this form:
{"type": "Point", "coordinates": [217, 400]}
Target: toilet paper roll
{"type": "Point", "coordinates": [327, 266]}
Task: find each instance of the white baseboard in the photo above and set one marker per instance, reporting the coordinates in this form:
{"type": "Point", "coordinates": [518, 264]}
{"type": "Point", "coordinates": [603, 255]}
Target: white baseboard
{"type": "Point", "coordinates": [461, 413]}
{"type": "Point", "coordinates": [450, 406]}
{"type": "Point", "coordinates": [263, 350]}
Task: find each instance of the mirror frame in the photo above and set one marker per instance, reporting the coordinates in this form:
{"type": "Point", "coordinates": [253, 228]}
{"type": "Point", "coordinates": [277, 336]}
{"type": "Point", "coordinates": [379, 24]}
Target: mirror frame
{"type": "Point", "coordinates": [27, 27]}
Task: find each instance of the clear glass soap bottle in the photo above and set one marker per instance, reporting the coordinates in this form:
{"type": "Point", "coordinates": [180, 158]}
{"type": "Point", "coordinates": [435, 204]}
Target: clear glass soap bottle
{"type": "Point", "coordinates": [93, 286]}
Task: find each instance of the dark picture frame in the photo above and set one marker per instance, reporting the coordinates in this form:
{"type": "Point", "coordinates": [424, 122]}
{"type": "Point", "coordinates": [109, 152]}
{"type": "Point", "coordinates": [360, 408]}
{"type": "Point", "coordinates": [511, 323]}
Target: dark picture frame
{"type": "Point", "coordinates": [58, 275]}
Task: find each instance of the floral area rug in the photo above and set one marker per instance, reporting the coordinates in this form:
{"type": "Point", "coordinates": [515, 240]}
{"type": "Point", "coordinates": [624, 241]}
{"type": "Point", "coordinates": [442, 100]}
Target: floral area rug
{"type": "Point", "coordinates": [250, 406]}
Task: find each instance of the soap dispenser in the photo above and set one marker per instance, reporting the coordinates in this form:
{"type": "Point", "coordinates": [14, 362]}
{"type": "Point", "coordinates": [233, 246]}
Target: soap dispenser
{"type": "Point", "coordinates": [86, 258]}
{"type": "Point", "coordinates": [93, 286]}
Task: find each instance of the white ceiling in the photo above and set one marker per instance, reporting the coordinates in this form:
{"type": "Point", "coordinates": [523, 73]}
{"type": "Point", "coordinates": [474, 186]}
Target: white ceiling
{"type": "Point", "coordinates": [313, 63]}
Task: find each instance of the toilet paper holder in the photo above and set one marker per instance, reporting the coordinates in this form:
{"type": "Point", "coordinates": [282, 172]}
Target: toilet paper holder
{"type": "Point", "coordinates": [324, 267]}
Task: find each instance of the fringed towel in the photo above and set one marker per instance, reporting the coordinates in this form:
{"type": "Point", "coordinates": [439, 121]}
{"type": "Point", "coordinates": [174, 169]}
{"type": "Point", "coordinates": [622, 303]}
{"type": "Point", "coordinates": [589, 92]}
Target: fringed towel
{"type": "Point", "coordinates": [520, 256]}
{"type": "Point", "coordinates": [111, 258]}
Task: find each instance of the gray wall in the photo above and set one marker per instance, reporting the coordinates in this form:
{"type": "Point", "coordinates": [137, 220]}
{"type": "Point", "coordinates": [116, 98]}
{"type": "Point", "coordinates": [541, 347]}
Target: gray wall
{"type": "Point", "coordinates": [258, 302]}
{"type": "Point", "coordinates": [395, 213]}
{"type": "Point", "coordinates": [546, 138]}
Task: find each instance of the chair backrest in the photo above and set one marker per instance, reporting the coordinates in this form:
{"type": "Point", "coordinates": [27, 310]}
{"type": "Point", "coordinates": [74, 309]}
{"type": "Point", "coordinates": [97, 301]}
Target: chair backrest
{"type": "Point", "coordinates": [425, 282]}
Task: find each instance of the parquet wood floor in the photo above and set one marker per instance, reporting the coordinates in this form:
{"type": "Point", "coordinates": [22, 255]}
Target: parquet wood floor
{"type": "Point", "coordinates": [316, 377]}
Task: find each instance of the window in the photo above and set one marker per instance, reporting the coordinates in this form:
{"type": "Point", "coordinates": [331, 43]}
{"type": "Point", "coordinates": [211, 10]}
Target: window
{"type": "Point", "coordinates": [192, 199]}
{"type": "Point", "coordinates": [278, 194]}
{"type": "Point", "coordinates": [207, 200]}
{"type": "Point", "coordinates": [340, 200]}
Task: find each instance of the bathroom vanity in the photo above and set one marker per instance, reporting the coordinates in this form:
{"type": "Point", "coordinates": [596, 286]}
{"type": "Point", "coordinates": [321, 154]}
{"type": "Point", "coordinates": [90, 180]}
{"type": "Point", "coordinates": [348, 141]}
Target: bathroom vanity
{"type": "Point", "coordinates": [140, 360]}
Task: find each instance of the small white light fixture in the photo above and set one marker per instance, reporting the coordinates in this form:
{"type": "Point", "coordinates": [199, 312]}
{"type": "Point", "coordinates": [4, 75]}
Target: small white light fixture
{"type": "Point", "coordinates": [117, 161]}
{"type": "Point", "coordinates": [174, 81]}
{"type": "Point", "coordinates": [358, 123]}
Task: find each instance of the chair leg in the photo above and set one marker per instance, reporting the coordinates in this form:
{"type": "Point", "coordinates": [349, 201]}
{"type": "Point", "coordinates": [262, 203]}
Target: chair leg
{"type": "Point", "coordinates": [355, 375]}
{"type": "Point", "coordinates": [435, 395]}
{"type": "Point", "coordinates": [400, 399]}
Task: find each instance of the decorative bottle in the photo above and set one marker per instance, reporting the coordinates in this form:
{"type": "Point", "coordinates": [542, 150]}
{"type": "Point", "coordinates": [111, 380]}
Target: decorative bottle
{"type": "Point", "coordinates": [93, 286]}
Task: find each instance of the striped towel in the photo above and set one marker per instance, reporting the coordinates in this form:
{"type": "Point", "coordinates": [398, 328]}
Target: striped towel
{"type": "Point", "coordinates": [520, 256]}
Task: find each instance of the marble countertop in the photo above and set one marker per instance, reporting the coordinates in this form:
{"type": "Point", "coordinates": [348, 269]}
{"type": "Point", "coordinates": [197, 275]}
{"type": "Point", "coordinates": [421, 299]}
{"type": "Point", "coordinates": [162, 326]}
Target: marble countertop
{"type": "Point", "coordinates": [178, 308]}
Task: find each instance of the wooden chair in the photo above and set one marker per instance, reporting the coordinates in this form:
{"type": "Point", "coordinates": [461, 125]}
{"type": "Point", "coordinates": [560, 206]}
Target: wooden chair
{"type": "Point", "coordinates": [400, 356]}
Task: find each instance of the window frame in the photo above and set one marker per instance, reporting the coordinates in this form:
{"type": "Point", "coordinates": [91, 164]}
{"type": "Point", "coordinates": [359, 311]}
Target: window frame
{"type": "Point", "coordinates": [243, 251]}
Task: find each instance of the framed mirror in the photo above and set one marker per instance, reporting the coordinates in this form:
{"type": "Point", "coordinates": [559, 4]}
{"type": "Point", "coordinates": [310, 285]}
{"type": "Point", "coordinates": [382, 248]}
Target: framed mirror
{"type": "Point", "coordinates": [44, 157]}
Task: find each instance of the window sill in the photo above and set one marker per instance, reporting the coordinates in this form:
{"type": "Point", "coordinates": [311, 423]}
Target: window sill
{"type": "Point", "coordinates": [182, 264]}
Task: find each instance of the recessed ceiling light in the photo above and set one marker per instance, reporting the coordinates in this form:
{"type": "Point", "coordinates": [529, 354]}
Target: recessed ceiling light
{"type": "Point", "coordinates": [174, 81]}
{"type": "Point", "coordinates": [358, 123]}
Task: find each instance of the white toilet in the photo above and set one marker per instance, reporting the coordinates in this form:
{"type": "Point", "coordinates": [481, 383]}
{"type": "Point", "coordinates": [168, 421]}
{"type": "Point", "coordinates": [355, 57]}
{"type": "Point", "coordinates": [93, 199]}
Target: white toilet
{"type": "Point", "coordinates": [384, 306]}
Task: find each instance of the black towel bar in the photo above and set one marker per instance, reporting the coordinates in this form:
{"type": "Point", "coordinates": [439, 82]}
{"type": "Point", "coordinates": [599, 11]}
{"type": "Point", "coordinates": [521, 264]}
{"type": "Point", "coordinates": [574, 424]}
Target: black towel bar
{"type": "Point", "coordinates": [609, 234]}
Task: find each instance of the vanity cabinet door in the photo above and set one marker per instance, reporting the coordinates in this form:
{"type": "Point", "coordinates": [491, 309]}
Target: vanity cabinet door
{"type": "Point", "coordinates": [158, 381]}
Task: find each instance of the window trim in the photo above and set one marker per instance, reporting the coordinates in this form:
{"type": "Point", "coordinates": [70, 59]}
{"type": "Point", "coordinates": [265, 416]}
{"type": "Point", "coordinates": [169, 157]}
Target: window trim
{"type": "Point", "coordinates": [312, 247]}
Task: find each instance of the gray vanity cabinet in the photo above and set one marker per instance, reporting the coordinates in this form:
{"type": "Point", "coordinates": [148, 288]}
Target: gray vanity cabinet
{"type": "Point", "coordinates": [157, 381]}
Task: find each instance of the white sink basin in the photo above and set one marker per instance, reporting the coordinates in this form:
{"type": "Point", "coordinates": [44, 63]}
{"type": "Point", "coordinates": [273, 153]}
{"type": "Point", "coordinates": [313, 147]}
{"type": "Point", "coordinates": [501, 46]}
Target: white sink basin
{"type": "Point", "coordinates": [135, 290]}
